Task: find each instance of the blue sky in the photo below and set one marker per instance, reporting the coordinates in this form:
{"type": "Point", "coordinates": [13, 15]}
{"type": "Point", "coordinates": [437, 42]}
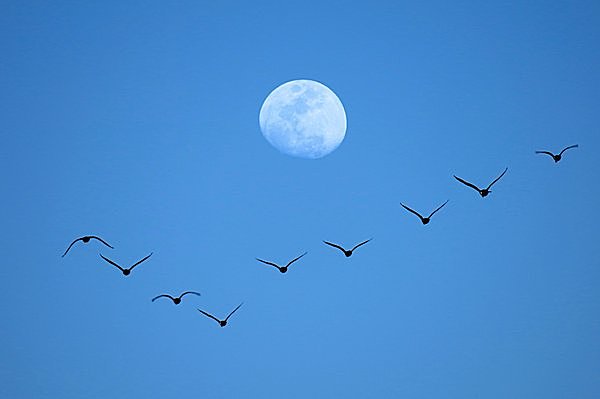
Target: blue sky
{"type": "Point", "coordinates": [139, 122]}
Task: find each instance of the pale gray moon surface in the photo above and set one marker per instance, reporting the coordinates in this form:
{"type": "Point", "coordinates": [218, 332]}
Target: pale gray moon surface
{"type": "Point", "coordinates": [303, 118]}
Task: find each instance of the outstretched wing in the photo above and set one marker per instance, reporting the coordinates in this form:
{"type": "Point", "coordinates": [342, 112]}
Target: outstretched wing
{"type": "Point", "coordinates": [268, 263]}
{"type": "Point", "coordinates": [102, 241]}
{"type": "Point", "coordinates": [334, 245]}
{"type": "Point", "coordinates": [209, 315]}
{"type": "Point", "coordinates": [111, 262]}
{"type": "Point", "coordinates": [140, 261]}
{"type": "Point", "coordinates": [74, 241]}
{"type": "Point", "coordinates": [412, 211]}
{"type": "Point", "coordinates": [466, 183]}
{"type": "Point", "coordinates": [545, 152]}
{"type": "Point", "coordinates": [163, 295]}
{"type": "Point", "coordinates": [440, 207]}
{"type": "Point", "coordinates": [292, 261]}
{"type": "Point", "coordinates": [233, 311]}
{"type": "Point", "coordinates": [569, 147]}
{"type": "Point", "coordinates": [362, 243]}
{"type": "Point", "coordinates": [497, 178]}
{"type": "Point", "coordinates": [189, 292]}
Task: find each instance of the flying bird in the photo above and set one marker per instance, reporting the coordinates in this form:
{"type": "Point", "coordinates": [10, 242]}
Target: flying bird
{"type": "Point", "coordinates": [483, 192]}
{"type": "Point", "coordinates": [85, 240]}
{"type": "Point", "coordinates": [282, 269]}
{"type": "Point", "coordinates": [176, 300]}
{"type": "Point", "coordinates": [128, 270]}
{"type": "Point", "coordinates": [558, 156]}
{"type": "Point", "coordinates": [222, 323]}
{"type": "Point", "coordinates": [428, 218]}
{"type": "Point", "coordinates": [346, 252]}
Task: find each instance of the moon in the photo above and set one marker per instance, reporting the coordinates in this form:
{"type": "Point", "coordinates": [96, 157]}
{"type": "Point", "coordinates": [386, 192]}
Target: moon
{"type": "Point", "coordinates": [303, 118]}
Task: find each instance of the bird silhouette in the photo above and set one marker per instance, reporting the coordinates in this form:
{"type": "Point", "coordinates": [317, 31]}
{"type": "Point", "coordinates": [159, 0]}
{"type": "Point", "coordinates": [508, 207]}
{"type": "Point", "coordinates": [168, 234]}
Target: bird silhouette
{"type": "Point", "coordinates": [222, 323]}
{"type": "Point", "coordinates": [85, 240]}
{"type": "Point", "coordinates": [282, 269]}
{"type": "Point", "coordinates": [558, 156]}
{"type": "Point", "coordinates": [346, 252]}
{"type": "Point", "coordinates": [485, 191]}
{"type": "Point", "coordinates": [176, 300]}
{"type": "Point", "coordinates": [127, 271]}
{"type": "Point", "coordinates": [428, 218]}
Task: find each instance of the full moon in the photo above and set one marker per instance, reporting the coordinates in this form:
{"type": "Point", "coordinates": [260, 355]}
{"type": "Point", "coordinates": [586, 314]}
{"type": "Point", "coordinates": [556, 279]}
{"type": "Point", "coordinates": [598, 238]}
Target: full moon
{"type": "Point", "coordinates": [303, 118]}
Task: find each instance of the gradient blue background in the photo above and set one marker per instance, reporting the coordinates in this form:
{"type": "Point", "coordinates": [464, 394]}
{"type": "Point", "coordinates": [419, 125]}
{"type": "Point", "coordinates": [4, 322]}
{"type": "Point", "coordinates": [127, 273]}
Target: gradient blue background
{"type": "Point", "coordinates": [139, 122]}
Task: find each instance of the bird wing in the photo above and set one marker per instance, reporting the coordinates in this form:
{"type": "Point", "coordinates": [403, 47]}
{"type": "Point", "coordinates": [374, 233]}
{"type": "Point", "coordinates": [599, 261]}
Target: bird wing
{"type": "Point", "coordinates": [233, 311]}
{"type": "Point", "coordinates": [569, 147]}
{"type": "Point", "coordinates": [63, 255]}
{"type": "Point", "coordinates": [140, 261]}
{"type": "Point", "coordinates": [362, 243]}
{"type": "Point", "coordinates": [102, 241]}
{"type": "Point", "coordinates": [411, 211]}
{"type": "Point", "coordinates": [439, 207]}
{"type": "Point", "coordinates": [189, 292]}
{"type": "Point", "coordinates": [268, 263]}
{"type": "Point", "coordinates": [111, 262]}
{"type": "Point", "coordinates": [292, 261]}
{"type": "Point", "coordinates": [334, 245]}
{"type": "Point", "coordinates": [497, 178]}
{"type": "Point", "coordinates": [474, 187]}
{"type": "Point", "coordinates": [545, 152]}
{"type": "Point", "coordinates": [163, 295]}
{"type": "Point", "coordinates": [209, 315]}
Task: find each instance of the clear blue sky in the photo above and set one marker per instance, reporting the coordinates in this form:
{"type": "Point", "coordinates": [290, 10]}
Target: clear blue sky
{"type": "Point", "coordinates": [139, 122]}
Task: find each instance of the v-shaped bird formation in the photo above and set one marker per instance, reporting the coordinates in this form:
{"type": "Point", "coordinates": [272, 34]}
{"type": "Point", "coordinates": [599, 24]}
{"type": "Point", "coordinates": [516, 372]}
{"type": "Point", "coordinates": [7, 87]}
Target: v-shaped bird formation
{"type": "Point", "coordinates": [126, 271]}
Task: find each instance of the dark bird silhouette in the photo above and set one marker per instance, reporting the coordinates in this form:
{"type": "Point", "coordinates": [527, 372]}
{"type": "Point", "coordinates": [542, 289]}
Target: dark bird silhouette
{"type": "Point", "coordinates": [346, 252]}
{"type": "Point", "coordinates": [222, 323]}
{"type": "Point", "coordinates": [282, 269]}
{"type": "Point", "coordinates": [483, 192]}
{"type": "Point", "coordinates": [85, 240]}
{"type": "Point", "coordinates": [176, 300]}
{"type": "Point", "coordinates": [125, 271]}
{"type": "Point", "coordinates": [428, 218]}
{"type": "Point", "coordinates": [558, 156]}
